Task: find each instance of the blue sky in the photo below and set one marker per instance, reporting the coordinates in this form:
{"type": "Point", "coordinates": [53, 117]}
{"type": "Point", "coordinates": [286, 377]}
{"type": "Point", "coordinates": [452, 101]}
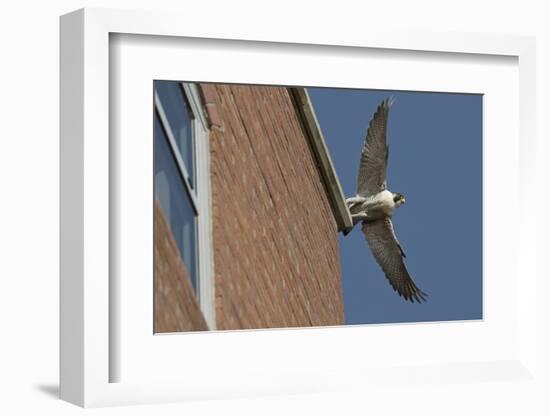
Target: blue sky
{"type": "Point", "coordinates": [435, 160]}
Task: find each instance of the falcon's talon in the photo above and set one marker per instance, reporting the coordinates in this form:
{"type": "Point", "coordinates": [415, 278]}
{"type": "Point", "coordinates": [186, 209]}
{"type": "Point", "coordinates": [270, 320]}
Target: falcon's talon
{"type": "Point", "coordinates": [352, 201]}
{"type": "Point", "coordinates": [356, 218]}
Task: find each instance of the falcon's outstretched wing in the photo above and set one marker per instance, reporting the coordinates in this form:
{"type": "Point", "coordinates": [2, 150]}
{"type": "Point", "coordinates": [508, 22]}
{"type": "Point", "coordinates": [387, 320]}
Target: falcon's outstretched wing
{"type": "Point", "coordinates": [374, 156]}
{"type": "Point", "coordinates": [389, 255]}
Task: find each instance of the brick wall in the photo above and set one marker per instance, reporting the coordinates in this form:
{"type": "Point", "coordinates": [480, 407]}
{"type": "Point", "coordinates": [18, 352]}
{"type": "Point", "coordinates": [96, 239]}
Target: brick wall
{"type": "Point", "coordinates": [275, 238]}
{"type": "Point", "coordinates": [176, 307]}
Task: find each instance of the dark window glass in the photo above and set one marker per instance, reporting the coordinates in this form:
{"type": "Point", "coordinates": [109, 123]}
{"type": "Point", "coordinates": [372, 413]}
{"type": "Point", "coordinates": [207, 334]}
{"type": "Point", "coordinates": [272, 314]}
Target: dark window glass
{"type": "Point", "coordinates": [180, 118]}
{"type": "Point", "coordinates": [175, 201]}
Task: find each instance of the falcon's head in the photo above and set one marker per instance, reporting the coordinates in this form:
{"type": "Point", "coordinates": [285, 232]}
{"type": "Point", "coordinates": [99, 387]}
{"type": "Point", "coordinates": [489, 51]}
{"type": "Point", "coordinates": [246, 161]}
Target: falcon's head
{"type": "Point", "coordinates": [398, 199]}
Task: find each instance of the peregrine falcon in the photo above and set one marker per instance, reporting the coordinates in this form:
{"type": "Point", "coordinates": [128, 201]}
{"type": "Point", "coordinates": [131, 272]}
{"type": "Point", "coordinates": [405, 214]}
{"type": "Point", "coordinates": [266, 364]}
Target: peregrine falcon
{"type": "Point", "coordinates": [374, 205]}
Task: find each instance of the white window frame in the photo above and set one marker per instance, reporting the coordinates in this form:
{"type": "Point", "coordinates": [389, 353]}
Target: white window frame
{"type": "Point", "coordinates": [199, 194]}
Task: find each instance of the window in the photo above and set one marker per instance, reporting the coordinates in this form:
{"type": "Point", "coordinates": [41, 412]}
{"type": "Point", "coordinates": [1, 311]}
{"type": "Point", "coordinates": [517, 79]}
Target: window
{"type": "Point", "coordinates": [175, 200]}
{"type": "Point", "coordinates": [182, 182]}
{"type": "Point", "coordinates": [180, 118]}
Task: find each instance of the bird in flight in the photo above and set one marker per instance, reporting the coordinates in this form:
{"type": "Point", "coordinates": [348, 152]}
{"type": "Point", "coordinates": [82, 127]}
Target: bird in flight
{"type": "Point", "coordinates": [374, 205]}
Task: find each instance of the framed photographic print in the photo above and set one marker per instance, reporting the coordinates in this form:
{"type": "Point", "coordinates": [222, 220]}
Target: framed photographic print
{"type": "Point", "coordinates": [273, 210]}
{"type": "Point", "coordinates": [271, 214]}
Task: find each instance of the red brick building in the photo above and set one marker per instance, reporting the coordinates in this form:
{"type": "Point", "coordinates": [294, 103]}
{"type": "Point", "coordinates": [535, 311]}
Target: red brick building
{"type": "Point", "coordinates": [264, 218]}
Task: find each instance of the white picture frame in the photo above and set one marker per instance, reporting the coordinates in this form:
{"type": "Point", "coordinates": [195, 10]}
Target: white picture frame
{"type": "Point", "coordinates": [86, 355]}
